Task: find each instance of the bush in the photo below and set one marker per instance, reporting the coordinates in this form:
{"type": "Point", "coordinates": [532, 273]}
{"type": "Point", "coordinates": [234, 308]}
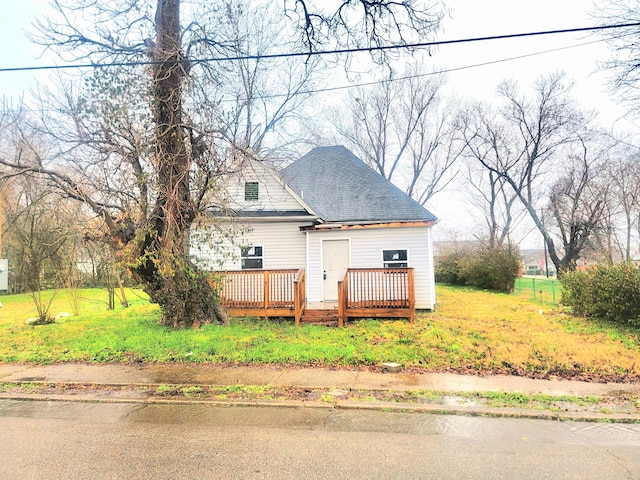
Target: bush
{"type": "Point", "coordinates": [486, 268]}
{"type": "Point", "coordinates": [609, 292]}
{"type": "Point", "coordinates": [449, 267]}
{"type": "Point", "coordinates": [576, 291]}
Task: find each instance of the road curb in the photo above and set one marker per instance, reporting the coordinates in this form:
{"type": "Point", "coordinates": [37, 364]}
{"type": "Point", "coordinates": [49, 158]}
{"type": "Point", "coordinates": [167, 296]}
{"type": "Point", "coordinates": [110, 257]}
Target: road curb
{"type": "Point", "coordinates": [475, 411]}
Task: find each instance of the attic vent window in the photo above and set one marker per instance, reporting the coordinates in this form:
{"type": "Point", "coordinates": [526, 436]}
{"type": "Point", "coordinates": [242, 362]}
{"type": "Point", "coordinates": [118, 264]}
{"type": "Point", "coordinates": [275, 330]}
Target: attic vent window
{"type": "Point", "coordinates": [251, 191]}
{"type": "Point", "coordinates": [394, 259]}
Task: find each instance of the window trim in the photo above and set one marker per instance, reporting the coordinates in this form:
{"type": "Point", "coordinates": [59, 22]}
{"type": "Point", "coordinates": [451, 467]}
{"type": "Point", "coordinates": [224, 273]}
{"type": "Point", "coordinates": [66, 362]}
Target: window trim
{"type": "Point", "coordinates": [244, 255]}
{"type": "Point", "coordinates": [387, 263]}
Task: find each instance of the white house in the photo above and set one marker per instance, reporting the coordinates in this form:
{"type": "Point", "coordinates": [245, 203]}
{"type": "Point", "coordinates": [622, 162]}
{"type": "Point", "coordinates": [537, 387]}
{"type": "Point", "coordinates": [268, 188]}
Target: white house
{"type": "Point", "coordinates": [323, 213]}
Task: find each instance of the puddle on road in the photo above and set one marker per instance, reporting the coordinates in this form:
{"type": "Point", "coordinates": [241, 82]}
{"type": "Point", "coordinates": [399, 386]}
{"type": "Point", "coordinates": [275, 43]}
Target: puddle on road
{"type": "Point", "coordinates": [82, 412]}
{"type": "Point", "coordinates": [608, 433]}
{"type": "Point", "coordinates": [297, 419]}
{"type": "Point", "coordinates": [211, 416]}
{"type": "Point", "coordinates": [262, 417]}
{"type": "Point", "coordinates": [332, 420]}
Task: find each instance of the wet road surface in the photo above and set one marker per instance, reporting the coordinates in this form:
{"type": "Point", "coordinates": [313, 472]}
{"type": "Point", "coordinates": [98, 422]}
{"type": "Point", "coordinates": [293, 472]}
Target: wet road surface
{"type": "Point", "coordinates": [55, 440]}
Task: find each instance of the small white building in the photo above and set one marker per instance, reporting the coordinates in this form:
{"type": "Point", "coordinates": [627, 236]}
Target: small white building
{"type": "Point", "coordinates": [326, 212]}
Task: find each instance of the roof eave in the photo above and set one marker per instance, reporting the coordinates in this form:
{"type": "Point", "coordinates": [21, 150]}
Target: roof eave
{"type": "Point", "coordinates": [302, 218]}
{"type": "Point", "coordinates": [370, 225]}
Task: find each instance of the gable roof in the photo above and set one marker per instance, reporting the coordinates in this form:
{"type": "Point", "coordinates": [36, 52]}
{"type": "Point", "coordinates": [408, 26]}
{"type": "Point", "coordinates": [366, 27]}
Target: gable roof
{"type": "Point", "coordinates": [275, 199]}
{"type": "Point", "coordinates": [340, 187]}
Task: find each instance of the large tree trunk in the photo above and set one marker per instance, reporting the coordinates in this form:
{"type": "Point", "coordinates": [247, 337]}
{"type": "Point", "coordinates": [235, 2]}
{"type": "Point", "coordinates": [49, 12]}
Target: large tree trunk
{"type": "Point", "coordinates": [185, 297]}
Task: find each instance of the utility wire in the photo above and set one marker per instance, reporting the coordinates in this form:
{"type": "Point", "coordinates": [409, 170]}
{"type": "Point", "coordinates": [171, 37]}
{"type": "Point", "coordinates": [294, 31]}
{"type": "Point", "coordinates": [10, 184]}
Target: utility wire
{"type": "Point", "coordinates": [436, 72]}
{"type": "Point", "coordinates": [381, 48]}
{"type": "Point", "coordinates": [398, 79]}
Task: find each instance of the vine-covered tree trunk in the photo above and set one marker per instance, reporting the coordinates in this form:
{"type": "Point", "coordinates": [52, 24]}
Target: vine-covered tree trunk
{"type": "Point", "coordinates": [185, 296]}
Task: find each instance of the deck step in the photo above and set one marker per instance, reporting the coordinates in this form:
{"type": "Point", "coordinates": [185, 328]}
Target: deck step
{"type": "Point", "coordinates": [318, 316]}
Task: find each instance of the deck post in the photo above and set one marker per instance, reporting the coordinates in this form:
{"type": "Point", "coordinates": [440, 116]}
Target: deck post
{"type": "Point", "coordinates": [343, 293]}
{"type": "Point", "coordinates": [265, 275]}
{"type": "Point", "coordinates": [299, 294]}
{"type": "Point", "coordinates": [412, 296]}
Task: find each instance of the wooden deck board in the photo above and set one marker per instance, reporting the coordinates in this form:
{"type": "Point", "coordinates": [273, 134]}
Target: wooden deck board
{"type": "Point", "coordinates": [261, 312]}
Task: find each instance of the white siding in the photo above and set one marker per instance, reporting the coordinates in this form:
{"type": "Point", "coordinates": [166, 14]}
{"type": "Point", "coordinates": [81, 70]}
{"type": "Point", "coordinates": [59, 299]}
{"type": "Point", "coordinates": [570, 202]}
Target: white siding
{"type": "Point", "coordinates": [431, 270]}
{"type": "Point", "coordinates": [272, 194]}
{"type": "Point", "coordinates": [283, 245]}
{"type": "Point", "coordinates": [366, 252]}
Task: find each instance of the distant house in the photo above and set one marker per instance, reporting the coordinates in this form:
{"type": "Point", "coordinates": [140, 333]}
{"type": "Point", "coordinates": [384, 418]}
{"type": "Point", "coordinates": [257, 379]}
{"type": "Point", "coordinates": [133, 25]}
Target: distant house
{"type": "Point", "coordinates": [326, 212]}
{"type": "Point", "coordinates": [536, 262]}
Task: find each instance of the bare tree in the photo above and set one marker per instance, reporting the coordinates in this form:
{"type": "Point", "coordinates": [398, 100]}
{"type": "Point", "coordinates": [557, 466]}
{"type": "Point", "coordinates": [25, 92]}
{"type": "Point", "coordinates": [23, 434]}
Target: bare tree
{"type": "Point", "coordinates": [157, 163]}
{"type": "Point", "coordinates": [40, 240]}
{"type": "Point", "coordinates": [487, 141]}
{"type": "Point", "coordinates": [252, 104]}
{"type": "Point", "coordinates": [542, 133]}
{"type": "Point", "coordinates": [403, 129]}
{"type": "Point", "coordinates": [360, 23]}
{"type": "Point", "coordinates": [626, 184]}
{"type": "Point", "coordinates": [577, 203]}
{"type": "Point", "coordinates": [625, 48]}
{"type": "Point", "coordinates": [622, 175]}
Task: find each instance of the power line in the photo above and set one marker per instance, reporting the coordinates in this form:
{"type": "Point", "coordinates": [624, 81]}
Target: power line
{"type": "Point", "coordinates": [436, 72]}
{"type": "Point", "coordinates": [381, 48]}
{"type": "Point", "coordinates": [397, 79]}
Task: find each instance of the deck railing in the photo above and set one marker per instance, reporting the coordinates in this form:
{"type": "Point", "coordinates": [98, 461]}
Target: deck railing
{"type": "Point", "coordinates": [362, 292]}
{"type": "Point", "coordinates": [377, 292]}
{"type": "Point", "coordinates": [258, 289]}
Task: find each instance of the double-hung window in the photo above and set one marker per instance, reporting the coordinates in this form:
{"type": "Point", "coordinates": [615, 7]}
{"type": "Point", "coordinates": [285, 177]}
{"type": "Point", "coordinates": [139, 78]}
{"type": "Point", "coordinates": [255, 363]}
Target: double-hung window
{"type": "Point", "coordinates": [394, 259]}
{"type": "Point", "coordinates": [251, 257]}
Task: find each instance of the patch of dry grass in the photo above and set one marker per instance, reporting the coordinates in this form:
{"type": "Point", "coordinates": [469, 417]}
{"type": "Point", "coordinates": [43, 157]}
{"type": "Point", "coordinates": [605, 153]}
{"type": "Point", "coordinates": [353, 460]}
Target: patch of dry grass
{"type": "Point", "coordinates": [510, 332]}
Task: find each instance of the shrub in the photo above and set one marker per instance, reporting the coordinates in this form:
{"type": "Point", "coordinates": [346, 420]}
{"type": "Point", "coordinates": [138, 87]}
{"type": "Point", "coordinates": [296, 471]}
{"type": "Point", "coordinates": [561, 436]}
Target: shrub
{"type": "Point", "coordinates": [494, 269]}
{"type": "Point", "coordinates": [449, 267]}
{"type": "Point", "coordinates": [576, 291]}
{"type": "Point", "coordinates": [486, 268]}
{"type": "Point", "coordinates": [609, 292]}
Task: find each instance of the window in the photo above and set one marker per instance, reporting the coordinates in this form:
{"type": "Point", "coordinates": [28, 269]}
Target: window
{"type": "Point", "coordinates": [394, 259]}
{"type": "Point", "coordinates": [251, 191]}
{"type": "Point", "coordinates": [251, 258]}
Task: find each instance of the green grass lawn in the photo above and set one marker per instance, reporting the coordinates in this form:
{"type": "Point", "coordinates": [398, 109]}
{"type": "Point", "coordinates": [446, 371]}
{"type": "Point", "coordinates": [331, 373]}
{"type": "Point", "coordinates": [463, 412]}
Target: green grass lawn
{"type": "Point", "coordinates": [469, 330]}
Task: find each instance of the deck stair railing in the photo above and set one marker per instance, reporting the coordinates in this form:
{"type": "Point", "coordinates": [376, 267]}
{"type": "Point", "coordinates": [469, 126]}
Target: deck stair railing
{"type": "Point", "coordinates": [376, 292]}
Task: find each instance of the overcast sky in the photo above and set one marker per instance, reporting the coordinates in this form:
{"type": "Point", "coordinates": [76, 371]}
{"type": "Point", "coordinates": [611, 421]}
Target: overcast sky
{"type": "Point", "coordinates": [469, 18]}
{"type": "Point", "coordinates": [577, 54]}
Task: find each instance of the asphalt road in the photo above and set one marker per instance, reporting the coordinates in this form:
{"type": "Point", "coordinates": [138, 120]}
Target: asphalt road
{"type": "Point", "coordinates": [69, 440]}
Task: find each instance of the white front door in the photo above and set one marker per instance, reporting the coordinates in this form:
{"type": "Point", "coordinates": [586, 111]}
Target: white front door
{"type": "Point", "coordinates": [335, 258]}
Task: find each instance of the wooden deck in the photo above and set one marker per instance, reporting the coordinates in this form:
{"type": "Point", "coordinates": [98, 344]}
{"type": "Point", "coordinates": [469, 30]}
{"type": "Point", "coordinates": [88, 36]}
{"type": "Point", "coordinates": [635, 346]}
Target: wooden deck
{"type": "Point", "coordinates": [362, 293]}
{"type": "Point", "coordinates": [261, 293]}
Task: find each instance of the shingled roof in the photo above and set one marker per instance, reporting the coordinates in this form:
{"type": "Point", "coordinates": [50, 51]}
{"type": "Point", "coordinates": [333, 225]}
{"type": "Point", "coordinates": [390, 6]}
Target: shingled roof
{"type": "Point", "coordinates": [340, 187]}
